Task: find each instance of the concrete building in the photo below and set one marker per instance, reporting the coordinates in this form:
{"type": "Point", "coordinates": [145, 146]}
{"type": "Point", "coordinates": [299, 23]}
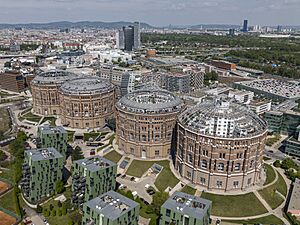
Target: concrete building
{"type": "Point", "coordinates": [55, 137]}
{"type": "Point", "coordinates": [92, 177]}
{"type": "Point", "coordinates": [178, 82]}
{"type": "Point", "coordinates": [12, 82]}
{"type": "Point", "coordinates": [276, 90]}
{"type": "Point", "coordinates": [145, 122]}
{"type": "Point", "coordinates": [294, 204]}
{"type": "Point", "coordinates": [292, 144]}
{"type": "Point", "coordinates": [86, 102]}
{"type": "Point", "coordinates": [260, 107]}
{"type": "Point", "coordinates": [111, 208]}
{"type": "Point", "coordinates": [44, 88]}
{"type": "Point", "coordinates": [220, 145]}
{"type": "Point", "coordinates": [223, 64]}
{"type": "Point", "coordinates": [243, 97]}
{"type": "Point", "coordinates": [282, 121]}
{"type": "Point", "coordinates": [41, 170]}
{"type": "Point", "coordinates": [185, 209]}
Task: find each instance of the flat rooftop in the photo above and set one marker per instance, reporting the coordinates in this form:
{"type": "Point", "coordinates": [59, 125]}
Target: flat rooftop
{"type": "Point", "coordinates": [188, 204]}
{"type": "Point", "coordinates": [46, 129]}
{"type": "Point", "coordinates": [112, 205]}
{"type": "Point", "coordinates": [294, 203]}
{"type": "Point", "coordinates": [94, 163]}
{"type": "Point", "coordinates": [277, 87]}
{"type": "Point", "coordinates": [43, 154]}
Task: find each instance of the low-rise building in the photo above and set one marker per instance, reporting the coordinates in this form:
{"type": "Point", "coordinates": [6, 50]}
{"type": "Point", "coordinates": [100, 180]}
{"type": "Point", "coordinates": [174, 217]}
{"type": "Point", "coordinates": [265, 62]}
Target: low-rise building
{"type": "Point", "coordinates": [292, 144]}
{"type": "Point", "coordinates": [56, 137]}
{"type": "Point", "coordinates": [92, 177]}
{"type": "Point", "coordinates": [185, 209]}
{"type": "Point", "coordinates": [111, 208]}
{"type": "Point", "coordinates": [41, 170]}
{"type": "Point", "coordinates": [260, 107]}
{"type": "Point", "coordinates": [282, 121]}
{"type": "Point", "coordinates": [244, 97]}
{"type": "Point", "coordinates": [294, 204]}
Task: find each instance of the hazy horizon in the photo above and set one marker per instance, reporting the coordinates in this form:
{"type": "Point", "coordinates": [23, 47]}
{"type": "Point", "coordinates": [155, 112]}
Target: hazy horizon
{"type": "Point", "coordinates": [156, 13]}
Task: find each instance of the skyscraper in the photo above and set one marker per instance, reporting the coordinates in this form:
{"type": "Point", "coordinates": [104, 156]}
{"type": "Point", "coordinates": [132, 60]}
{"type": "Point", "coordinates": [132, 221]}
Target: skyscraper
{"type": "Point", "coordinates": [137, 35]}
{"type": "Point", "coordinates": [120, 39]}
{"type": "Point", "coordinates": [245, 26]}
{"type": "Point", "coordinates": [129, 38]}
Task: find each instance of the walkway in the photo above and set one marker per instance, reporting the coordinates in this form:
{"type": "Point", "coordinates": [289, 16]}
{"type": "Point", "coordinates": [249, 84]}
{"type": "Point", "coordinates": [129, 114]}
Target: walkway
{"type": "Point", "coordinates": [277, 212]}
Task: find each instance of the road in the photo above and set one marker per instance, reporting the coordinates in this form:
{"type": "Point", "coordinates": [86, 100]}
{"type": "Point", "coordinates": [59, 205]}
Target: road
{"type": "Point", "coordinates": [276, 154]}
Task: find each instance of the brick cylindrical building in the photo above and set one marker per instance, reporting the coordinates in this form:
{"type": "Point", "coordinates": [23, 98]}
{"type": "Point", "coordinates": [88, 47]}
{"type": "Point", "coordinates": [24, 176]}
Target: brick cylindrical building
{"type": "Point", "coordinates": [220, 145]}
{"type": "Point", "coordinates": [86, 102]}
{"type": "Point", "coordinates": [44, 88]}
{"type": "Point", "coordinates": [145, 120]}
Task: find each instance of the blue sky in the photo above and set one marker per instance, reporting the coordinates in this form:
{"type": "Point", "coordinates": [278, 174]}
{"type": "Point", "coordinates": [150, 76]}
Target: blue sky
{"type": "Point", "coordinates": [155, 12]}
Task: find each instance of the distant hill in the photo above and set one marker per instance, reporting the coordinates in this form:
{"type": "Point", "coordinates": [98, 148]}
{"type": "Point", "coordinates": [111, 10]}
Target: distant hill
{"type": "Point", "coordinates": [66, 24]}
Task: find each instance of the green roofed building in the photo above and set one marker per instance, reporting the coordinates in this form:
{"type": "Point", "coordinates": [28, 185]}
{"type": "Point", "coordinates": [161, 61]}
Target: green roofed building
{"type": "Point", "coordinates": [42, 168]}
{"type": "Point", "coordinates": [55, 137]}
{"type": "Point", "coordinates": [185, 209]}
{"type": "Point", "coordinates": [92, 177]}
{"type": "Point", "coordinates": [111, 208]}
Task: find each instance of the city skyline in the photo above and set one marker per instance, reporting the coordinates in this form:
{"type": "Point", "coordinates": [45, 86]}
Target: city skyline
{"type": "Point", "coordinates": [156, 13]}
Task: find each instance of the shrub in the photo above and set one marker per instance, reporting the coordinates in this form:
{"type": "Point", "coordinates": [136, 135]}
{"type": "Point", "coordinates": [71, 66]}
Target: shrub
{"type": "Point", "coordinates": [53, 212]}
{"type": "Point", "coordinates": [277, 163]}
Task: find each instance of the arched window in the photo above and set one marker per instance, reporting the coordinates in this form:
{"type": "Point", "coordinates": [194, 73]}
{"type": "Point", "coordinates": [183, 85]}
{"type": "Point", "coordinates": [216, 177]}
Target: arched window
{"type": "Point", "coordinates": [237, 167]}
{"type": "Point", "coordinates": [132, 136]}
{"type": "Point", "coordinates": [157, 138]}
{"type": "Point", "coordinates": [221, 167]}
{"type": "Point", "coordinates": [143, 137]}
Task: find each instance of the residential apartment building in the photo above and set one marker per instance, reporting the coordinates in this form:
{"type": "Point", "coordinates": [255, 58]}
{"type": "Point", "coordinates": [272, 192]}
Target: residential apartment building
{"type": "Point", "coordinates": [92, 177]}
{"type": "Point", "coordinates": [185, 209]}
{"type": "Point", "coordinates": [12, 82]}
{"type": "Point", "coordinates": [111, 208]}
{"type": "Point", "coordinates": [42, 168]}
{"type": "Point", "coordinates": [56, 137]}
{"type": "Point", "coordinates": [294, 202]}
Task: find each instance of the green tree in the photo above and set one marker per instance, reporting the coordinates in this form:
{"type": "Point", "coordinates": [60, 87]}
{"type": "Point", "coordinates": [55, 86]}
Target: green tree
{"type": "Point", "coordinates": [287, 163]}
{"type": "Point", "coordinates": [158, 200]}
{"type": "Point", "coordinates": [59, 187]}
{"type": "Point", "coordinates": [39, 208]}
{"type": "Point", "coordinates": [277, 163]}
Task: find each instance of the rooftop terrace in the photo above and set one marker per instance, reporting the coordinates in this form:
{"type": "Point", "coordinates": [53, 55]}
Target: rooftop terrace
{"type": "Point", "coordinates": [188, 204]}
{"type": "Point", "coordinates": [43, 154]}
{"type": "Point", "coordinates": [111, 204]}
{"type": "Point", "coordinates": [94, 163]}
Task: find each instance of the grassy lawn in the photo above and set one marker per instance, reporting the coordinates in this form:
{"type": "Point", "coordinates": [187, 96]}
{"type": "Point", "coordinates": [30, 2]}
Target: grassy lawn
{"type": "Point", "coordinates": [235, 205]}
{"type": "Point", "coordinates": [270, 173]}
{"type": "Point", "coordinates": [111, 139]}
{"type": "Point", "coordinates": [166, 178]}
{"type": "Point", "coordinates": [4, 120]}
{"type": "Point", "coordinates": [138, 167]}
{"type": "Point", "coordinates": [102, 147]}
{"type": "Point", "coordinates": [93, 135]}
{"type": "Point", "coordinates": [271, 219]}
{"type": "Point", "coordinates": [9, 202]}
{"type": "Point", "coordinates": [188, 189]}
{"type": "Point", "coordinates": [113, 156]}
{"type": "Point", "coordinates": [271, 196]}
{"type": "Point", "coordinates": [51, 120]}
{"type": "Point", "coordinates": [31, 117]}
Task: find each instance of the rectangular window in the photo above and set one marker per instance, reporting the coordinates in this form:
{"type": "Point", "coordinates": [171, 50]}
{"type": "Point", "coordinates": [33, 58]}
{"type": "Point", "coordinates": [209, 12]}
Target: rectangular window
{"type": "Point", "coordinates": [235, 184]}
{"type": "Point", "coordinates": [202, 180]}
{"type": "Point", "coordinates": [219, 184]}
{"type": "Point", "coordinates": [189, 174]}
